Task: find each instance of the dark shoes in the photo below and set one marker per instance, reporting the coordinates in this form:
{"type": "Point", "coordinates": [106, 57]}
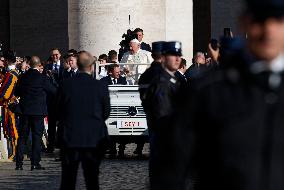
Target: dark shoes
{"type": "Point", "coordinates": [33, 167]}
{"type": "Point", "coordinates": [37, 167]}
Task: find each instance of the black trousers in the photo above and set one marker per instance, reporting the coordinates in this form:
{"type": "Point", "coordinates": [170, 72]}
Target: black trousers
{"type": "Point", "coordinates": [35, 124]}
{"type": "Point", "coordinates": [90, 159]}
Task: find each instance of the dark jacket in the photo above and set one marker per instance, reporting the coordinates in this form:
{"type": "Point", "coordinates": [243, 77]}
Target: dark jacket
{"type": "Point", "coordinates": [32, 88]}
{"type": "Point", "coordinates": [68, 74]}
{"type": "Point", "coordinates": [181, 77]}
{"type": "Point", "coordinates": [160, 105]}
{"type": "Point", "coordinates": [83, 105]}
{"type": "Point", "coordinates": [57, 75]}
{"type": "Point", "coordinates": [145, 47]}
{"type": "Point", "coordinates": [231, 134]}
{"type": "Point", "coordinates": [121, 80]}
{"type": "Point", "coordinates": [196, 71]}
{"type": "Point", "coordinates": [161, 98]}
{"type": "Point", "coordinates": [146, 79]}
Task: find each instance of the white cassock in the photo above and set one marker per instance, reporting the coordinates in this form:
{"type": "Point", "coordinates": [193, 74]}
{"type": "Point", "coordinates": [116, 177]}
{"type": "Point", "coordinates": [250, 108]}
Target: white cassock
{"type": "Point", "coordinates": [142, 57]}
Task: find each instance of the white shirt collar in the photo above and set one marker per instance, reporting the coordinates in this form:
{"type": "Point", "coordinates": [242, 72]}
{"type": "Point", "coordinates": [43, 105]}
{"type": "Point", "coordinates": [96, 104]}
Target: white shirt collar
{"type": "Point", "coordinates": [275, 66]}
{"type": "Point", "coordinates": [180, 72]}
{"type": "Point", "coordinates": [11, 67]}
{"type": "Point", "coordinates": [57, 63]}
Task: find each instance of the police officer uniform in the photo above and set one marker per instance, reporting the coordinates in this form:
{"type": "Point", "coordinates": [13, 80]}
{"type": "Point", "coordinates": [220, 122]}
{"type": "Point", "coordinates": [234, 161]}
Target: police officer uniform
{"type": "Point", "coordinates": [150, 74]}
{"type": "Point", "coordinates": [231, 134]}
{"type": "Point", "coordinates": [160, 102]}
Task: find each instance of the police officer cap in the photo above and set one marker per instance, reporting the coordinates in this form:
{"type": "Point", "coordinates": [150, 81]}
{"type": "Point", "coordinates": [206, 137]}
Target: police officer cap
{"type": "Point", "coordinates": [263, 9]}
{"type": "Point", "coordinates": [173, 48]}
{"type": "Point", "coordinates": [157, 47]}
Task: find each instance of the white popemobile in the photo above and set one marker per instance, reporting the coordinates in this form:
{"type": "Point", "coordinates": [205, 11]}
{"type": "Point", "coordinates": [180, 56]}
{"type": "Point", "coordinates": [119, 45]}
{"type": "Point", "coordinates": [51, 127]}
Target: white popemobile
{"type": "Point", "coordinates": [127, 121]}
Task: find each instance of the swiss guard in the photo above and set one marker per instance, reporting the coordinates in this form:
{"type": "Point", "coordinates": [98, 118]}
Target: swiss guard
{"type": "Point", "coordinates": [8, 101]}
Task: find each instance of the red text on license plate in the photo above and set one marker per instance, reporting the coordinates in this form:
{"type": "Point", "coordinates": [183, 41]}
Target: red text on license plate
{"type": "Point", "coordinates": [131, 124]}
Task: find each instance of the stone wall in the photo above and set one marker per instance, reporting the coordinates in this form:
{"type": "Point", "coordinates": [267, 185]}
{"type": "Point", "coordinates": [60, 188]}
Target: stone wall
{"type": "Point", "coordinates": [98, 26]}
{"type": "Point", "coordinates": [35, 26]}
{"type": "Point", "coordinates": [225, 14]}
{"type": "Point", "coordinates": [4, 23]}
{"type": "Point", "coordinates": [38, 25]}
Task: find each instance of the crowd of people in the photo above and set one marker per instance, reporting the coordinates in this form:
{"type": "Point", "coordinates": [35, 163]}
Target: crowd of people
{"type": "Point", "coordinates": [215, 124]}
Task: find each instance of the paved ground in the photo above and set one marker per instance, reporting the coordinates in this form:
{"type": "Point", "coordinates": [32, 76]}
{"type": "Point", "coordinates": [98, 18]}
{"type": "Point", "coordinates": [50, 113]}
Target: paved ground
{"type": "Point", "coordinates": [116, 174]}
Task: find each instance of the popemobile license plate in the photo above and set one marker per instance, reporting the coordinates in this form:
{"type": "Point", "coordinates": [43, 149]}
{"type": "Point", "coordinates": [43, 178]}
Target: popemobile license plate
{"type": "Point", "coordinates": [133, 124]}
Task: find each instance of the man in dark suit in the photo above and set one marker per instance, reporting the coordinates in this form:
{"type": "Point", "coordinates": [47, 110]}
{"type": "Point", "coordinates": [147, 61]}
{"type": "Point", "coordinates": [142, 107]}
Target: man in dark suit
{"type": "Point", "coordinates": [56, 67]}
{"type": "Point", "coordinates": [181, 71]}
{"type": "Point", "coordinates": [55, 71]}
{"type": "Point", "coordinates": [114, 76]}
{"type": "Point", "coordinates": [83, 106]}
{"type": "Point", "coordinates": [32, 88]}
{"type": "Point", "coordinates": [140, 34]}
{"type": "Point", "coordinates": [71, 60]}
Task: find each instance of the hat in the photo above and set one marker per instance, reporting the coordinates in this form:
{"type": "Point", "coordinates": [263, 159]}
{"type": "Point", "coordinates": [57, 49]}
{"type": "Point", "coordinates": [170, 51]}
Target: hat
{"type": "Point", "coordinates": [157, 47]}
{"type": "Point", "coordinates": [173, 48]}
{"type": "Point", "coordinates": [135, 41]}
{"type": "Point", "coordinates": [263, 9]}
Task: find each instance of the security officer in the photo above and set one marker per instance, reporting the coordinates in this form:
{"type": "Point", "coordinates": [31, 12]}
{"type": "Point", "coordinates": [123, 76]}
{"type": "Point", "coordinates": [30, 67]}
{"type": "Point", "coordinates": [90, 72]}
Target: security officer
{"type": "Point", "coordinates": [156, 67]}
{"type": "Point", "coordinates": [231, 134]}
{"type": "Point", "coordinates": [146, 79]}
{"type": "Point", "coordinates": [161, 99]}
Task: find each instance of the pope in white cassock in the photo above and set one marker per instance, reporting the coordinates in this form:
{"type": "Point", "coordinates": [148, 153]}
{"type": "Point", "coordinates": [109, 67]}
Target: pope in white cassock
{"type": "Point", "coordinates": [135, 55]}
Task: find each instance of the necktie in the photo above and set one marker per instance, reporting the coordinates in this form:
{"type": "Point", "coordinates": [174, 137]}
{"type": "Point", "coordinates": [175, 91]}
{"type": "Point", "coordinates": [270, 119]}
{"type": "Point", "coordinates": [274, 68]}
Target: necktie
{"type": "Point", "coordinates": [114, 81]}
{"type": "Point", "coordinates": [72, 73]}
{"type": "Point", "coordinates": [55, 67]}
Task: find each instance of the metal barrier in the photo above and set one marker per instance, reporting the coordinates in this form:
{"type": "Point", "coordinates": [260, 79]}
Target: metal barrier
{"type": "Point", "coordinates": [122, 65]}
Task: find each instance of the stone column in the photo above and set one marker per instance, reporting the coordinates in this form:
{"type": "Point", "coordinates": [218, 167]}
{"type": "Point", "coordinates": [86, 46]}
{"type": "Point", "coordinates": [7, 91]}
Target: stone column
{"type": "Point", "coordinates": [179, 24]}
{"type": "Point", "coordinates": [97, 25]}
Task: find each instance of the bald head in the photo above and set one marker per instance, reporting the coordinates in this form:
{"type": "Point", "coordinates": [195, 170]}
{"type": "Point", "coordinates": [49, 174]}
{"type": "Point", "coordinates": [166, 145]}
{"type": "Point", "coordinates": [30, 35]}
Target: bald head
{"type": "Point", "coordinates": [85, 61]}
{"type": "Point", "coordinates": [35, 62]}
